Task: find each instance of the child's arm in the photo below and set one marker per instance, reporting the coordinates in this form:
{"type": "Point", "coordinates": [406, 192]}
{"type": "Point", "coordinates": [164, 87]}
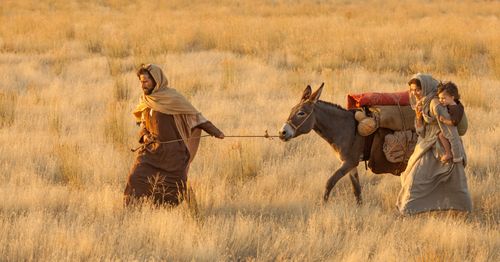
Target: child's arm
{"type": "Point", "coordinates": [445, 121]}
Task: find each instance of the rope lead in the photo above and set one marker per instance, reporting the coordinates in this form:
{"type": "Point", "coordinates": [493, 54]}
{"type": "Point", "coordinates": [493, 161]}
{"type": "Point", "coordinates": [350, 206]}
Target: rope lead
{"type": "Point", "coordinates": [266, 135]}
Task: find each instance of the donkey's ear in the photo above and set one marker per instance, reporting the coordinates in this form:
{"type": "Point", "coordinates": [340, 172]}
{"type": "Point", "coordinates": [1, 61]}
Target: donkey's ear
{"type": "Point", "coordinates": [315, 96]}
{"type": "Point", "coordinates": [306, 94]}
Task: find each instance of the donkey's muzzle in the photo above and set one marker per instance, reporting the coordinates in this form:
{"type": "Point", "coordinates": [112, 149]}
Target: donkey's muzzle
{"type": "Point", "coordinates": [286, 132]}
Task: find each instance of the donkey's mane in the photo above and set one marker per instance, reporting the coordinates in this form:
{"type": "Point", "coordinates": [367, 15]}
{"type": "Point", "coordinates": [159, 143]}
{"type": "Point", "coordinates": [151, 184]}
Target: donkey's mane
{"type": "Point", "coordinates": [333, 105]}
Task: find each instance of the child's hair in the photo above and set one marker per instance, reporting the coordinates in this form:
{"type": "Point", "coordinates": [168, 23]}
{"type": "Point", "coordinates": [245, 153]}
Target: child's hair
{"type": "Point", "coordinates": [450, 88]}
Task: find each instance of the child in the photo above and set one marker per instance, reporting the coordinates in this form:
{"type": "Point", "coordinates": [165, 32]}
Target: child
{"type": "Point", "coordinates": [449, 97]}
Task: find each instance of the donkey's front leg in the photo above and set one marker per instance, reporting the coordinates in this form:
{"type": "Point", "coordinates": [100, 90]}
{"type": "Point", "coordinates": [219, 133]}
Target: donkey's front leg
{"type": "Point", "coordinates": [346, 167]}
{"type": "Point", "coordinates": [356, 187]}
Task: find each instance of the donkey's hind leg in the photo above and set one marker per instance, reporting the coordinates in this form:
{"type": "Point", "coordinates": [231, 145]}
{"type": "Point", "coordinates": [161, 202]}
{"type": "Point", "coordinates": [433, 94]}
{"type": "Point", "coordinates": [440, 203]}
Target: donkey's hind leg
{"type": "Point", "coordinates": [341, 172]}
{"type": "Point", "coordinates": [356, 187]}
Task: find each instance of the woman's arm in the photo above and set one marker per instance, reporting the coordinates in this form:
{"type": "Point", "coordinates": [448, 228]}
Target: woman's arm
{"type": "Point", "coordinates": [446, 121]}
{"type": "Point", "coordinates": [450, 132]}
{"type": "Point", "coordinates": [419, 121]}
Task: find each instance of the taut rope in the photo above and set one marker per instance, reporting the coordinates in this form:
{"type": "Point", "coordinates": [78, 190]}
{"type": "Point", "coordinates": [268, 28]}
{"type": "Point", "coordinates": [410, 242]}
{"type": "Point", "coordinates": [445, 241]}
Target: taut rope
{"type": "Point", "coordinates": [266, 135]}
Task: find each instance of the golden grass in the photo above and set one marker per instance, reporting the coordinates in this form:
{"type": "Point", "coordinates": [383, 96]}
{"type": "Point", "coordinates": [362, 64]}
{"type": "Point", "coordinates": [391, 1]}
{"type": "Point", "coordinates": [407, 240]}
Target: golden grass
{"type": "Point", "coordinates": [67, 88]}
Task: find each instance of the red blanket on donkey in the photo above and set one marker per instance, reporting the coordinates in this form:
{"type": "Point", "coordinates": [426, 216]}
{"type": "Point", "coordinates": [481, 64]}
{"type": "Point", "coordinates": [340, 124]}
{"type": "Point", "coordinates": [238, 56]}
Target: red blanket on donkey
{"type": "Point", "coordinates": [380, 99]}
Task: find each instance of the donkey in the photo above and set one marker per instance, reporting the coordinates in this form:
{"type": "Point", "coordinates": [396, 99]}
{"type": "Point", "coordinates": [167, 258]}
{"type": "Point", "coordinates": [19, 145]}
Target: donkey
{"type": "Point", "coordinates": [334, 124]}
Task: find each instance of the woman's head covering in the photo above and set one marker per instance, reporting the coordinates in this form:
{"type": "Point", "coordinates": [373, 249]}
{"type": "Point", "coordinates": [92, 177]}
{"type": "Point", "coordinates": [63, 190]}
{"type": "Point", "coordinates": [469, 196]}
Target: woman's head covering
{"type": "Point", "coordinates": [429, 91]}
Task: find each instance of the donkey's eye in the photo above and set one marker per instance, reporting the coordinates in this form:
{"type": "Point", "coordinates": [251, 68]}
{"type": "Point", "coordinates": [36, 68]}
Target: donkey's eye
{"type": "Point", "coordinates": [301, 113]}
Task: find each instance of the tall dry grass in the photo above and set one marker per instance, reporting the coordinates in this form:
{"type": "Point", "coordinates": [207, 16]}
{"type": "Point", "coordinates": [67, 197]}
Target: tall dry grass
{"type": "Point", "coordinates": [67, 87]}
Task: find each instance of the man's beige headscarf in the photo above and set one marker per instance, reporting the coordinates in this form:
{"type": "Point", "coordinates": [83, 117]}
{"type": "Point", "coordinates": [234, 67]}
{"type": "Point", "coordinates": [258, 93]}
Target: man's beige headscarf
{"type": "Point", "coordinates": [168, 101]}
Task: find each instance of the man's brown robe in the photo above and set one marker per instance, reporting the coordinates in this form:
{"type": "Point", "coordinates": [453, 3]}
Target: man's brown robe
{"type": "Point", "coordinates": [160, 170]}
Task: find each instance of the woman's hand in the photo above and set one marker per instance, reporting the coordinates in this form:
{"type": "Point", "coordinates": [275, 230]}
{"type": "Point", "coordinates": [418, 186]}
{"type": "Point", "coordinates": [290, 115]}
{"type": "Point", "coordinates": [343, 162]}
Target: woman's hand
{"type": "Point", "coordinates": [418, 110]}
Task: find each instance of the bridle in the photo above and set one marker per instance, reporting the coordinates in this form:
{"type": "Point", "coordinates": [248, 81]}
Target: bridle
{"type": "Point", "coordinates": [295, 128]}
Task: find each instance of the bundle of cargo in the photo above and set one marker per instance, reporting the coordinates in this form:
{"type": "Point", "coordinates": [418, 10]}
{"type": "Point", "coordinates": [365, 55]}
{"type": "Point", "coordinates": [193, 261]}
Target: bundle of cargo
{"type": "Point", "coordinates": [387, 120]}
{"type": "Point", "coordinates": [397, 118]}
{"type": "Point", "coordinates": [389, 151]}
{"type": "Point", "coordinates": [377, 99]}
{"type": "Point", "coordinates": [399, 145]}
{"type": "Point", "coordinates": [389, 110]}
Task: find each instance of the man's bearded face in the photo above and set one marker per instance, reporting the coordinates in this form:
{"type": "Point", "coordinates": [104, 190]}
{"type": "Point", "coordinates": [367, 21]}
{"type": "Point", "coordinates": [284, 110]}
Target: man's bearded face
{"type": "Point", "coordinates": [147, 84]}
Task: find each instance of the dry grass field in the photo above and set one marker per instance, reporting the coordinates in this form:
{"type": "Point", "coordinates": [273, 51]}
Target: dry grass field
{"type": "Point", "coordinates": [67, 89]}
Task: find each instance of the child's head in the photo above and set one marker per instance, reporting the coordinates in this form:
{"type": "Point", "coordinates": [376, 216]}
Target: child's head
{"type": "Point", "coordinates": [448, 93]}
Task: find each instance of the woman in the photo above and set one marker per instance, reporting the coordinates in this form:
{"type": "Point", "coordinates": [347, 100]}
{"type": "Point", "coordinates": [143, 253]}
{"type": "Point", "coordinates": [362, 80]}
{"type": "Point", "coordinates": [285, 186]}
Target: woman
{"type": "Point", "coordinates": [427, 183]}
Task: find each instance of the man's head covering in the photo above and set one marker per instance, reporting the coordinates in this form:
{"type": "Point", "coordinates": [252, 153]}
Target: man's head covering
{"type": "Point", "coordinates": [168, 101]}
{"type": "Point", "coordinates": [163, 98]}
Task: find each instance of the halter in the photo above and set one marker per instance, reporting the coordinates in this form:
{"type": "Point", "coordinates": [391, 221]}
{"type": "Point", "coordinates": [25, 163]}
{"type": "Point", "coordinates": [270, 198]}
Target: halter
{"type": "Point", "coordinates": [301, 123]}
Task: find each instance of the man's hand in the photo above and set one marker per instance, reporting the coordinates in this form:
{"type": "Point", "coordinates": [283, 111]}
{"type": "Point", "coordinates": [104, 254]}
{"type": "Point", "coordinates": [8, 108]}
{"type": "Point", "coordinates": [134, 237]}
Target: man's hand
{"type": "Point", "coordinates": [220, 135]}
{"type": "Point", "coordinates": [147, 139]}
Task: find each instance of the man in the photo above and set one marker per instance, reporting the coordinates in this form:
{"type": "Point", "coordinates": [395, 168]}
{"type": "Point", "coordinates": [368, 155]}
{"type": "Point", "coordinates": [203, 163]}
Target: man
{"type": "Point", "coordinates": [160, 169]}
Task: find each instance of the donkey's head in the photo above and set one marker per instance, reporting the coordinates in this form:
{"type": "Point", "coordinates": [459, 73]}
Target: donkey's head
{"type": "Point", "coordinates": [301, 119]}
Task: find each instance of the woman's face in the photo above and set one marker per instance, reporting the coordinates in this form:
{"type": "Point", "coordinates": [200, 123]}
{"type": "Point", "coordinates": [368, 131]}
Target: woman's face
{"type": "Point", "coordinates": [416, 91]}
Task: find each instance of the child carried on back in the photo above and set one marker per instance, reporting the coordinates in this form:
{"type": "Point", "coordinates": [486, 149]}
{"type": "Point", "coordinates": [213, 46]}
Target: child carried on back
{"type": "Point", "coordinates": [449, 97]}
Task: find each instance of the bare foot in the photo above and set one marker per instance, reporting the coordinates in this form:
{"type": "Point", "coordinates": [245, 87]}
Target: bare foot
{"type": "Point", "coordinates": [446, 157]}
